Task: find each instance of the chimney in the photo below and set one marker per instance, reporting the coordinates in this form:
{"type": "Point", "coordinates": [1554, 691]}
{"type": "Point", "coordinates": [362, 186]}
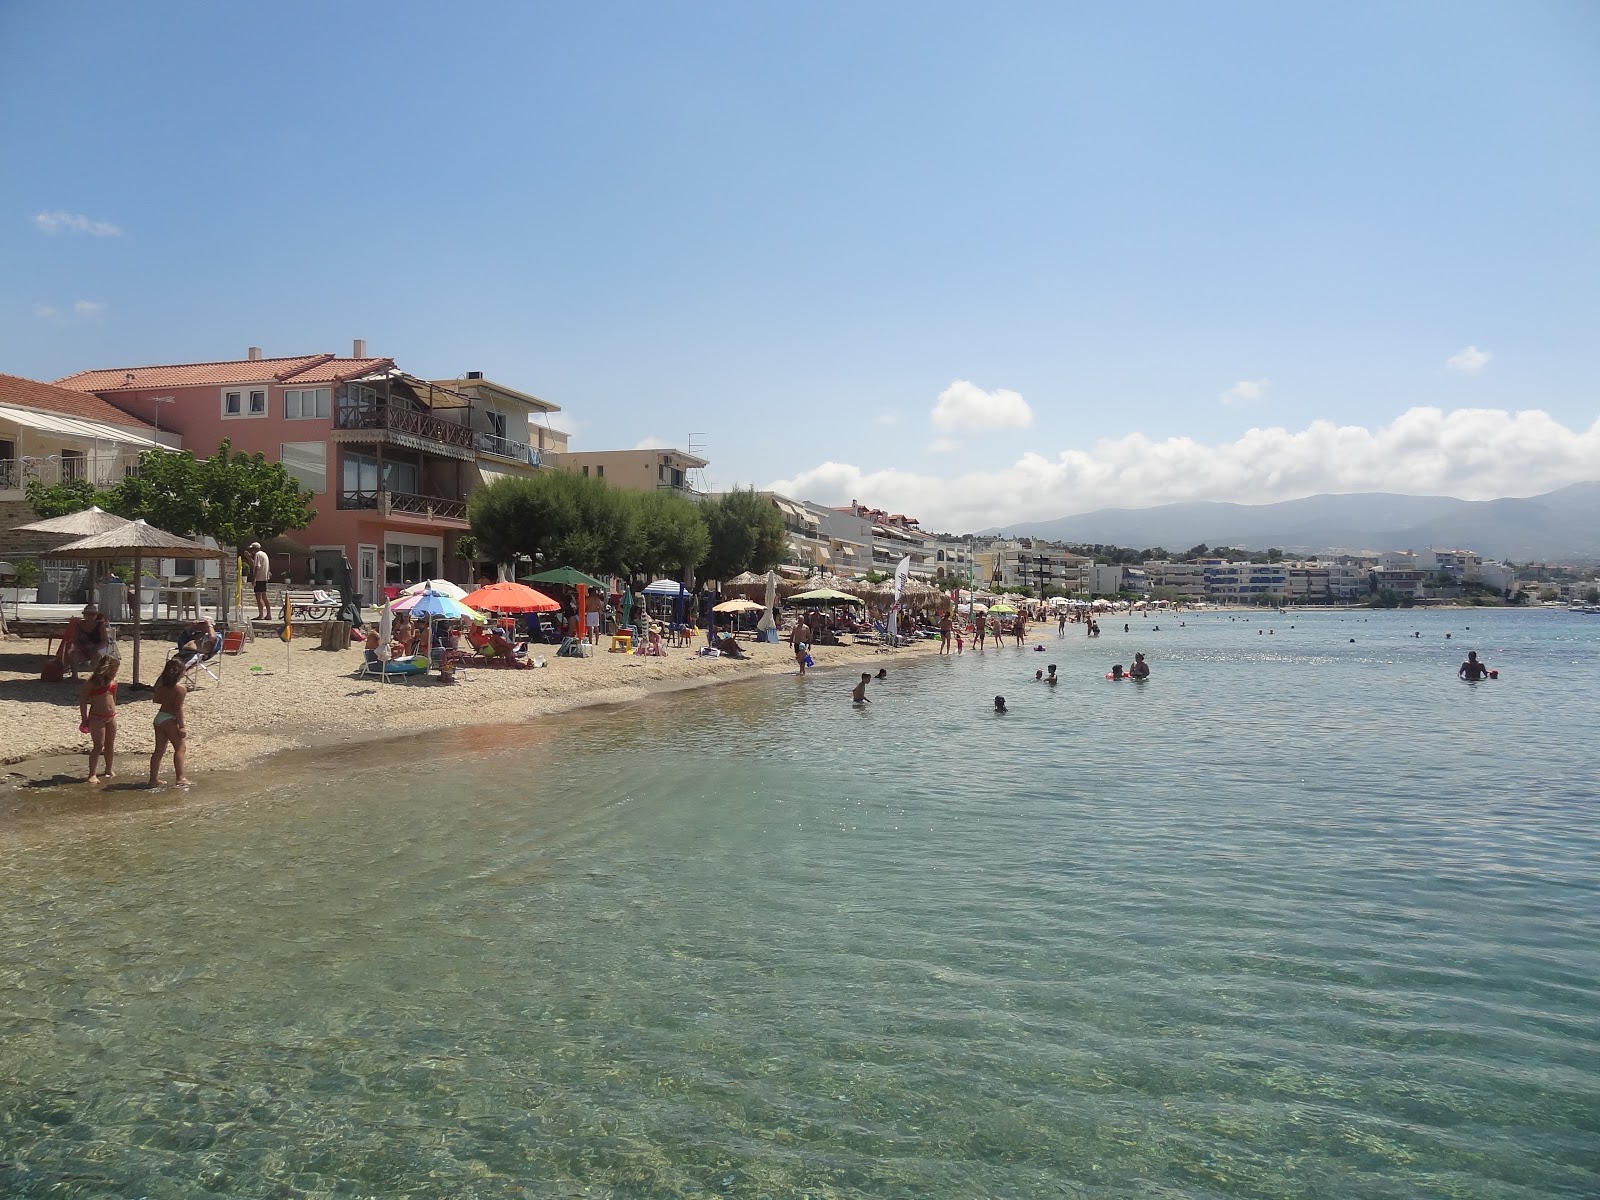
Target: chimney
{"type": "Point", "coordinates": [254, 353]}
{"type": "Point", "coordinates": [359, 349]}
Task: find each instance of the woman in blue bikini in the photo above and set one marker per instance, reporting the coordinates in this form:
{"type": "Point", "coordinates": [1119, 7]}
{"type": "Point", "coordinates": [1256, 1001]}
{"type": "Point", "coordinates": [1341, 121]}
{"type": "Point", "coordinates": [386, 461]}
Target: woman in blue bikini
{"type": "Point", "coordinates": [170, 693]}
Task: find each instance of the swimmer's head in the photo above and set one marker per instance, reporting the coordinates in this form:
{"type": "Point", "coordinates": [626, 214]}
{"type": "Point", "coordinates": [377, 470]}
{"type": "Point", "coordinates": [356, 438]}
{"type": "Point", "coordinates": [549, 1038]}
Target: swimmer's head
{"type": "Point", "coordinates": [999, 704]}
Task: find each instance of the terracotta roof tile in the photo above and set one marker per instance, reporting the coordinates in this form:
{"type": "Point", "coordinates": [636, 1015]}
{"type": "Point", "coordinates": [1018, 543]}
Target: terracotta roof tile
{"type": "Point", "coordinates": [308, 368]}
{"type": "Point", "coordinates": [30, 393]}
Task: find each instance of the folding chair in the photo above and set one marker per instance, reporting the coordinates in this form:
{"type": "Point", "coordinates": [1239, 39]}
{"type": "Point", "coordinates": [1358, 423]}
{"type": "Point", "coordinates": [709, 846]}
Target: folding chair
{"type": "Point", "coordinates": [204, 660]}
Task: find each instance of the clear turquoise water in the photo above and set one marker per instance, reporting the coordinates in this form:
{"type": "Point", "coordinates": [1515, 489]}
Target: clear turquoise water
{"type": "Point", "coordinates": [1300, 918]}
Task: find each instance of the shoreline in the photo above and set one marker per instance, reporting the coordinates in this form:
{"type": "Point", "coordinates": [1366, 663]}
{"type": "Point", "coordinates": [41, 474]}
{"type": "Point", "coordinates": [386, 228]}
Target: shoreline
{"type": "Point", "coordinates": [228, 736]}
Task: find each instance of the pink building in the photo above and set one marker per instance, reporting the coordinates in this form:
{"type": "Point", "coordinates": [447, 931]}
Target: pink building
{"type": "Point", "coordinates": [389, 458]}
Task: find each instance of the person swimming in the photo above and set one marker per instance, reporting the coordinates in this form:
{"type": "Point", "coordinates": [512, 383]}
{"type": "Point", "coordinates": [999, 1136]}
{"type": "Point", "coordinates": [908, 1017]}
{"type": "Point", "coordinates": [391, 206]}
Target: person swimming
{"type": "Point", "coordinates": [1116, 672]}
{"type": "Point", "coordinates": [1000, 704]}
{"type": "Point", "coordinates": [1051, 677]}
{"type": "Point", "coordinates": [1140, 669]}
{"type": "Point", "coordinates": [1038, 676]}
{"type": "Point", "coordinates": [882, 673]}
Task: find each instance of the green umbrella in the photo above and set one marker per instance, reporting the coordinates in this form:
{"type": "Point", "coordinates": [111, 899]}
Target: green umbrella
{"type": "Point", "coordinates": [567, 575]}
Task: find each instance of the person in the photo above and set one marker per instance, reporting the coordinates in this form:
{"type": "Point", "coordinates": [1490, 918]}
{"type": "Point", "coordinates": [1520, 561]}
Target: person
{"type": "Point", "coordinates": [197, 637]}
{"type": "Point", "coordinates": [858, 694]}
{"type": "Point", "coordinates": [591, 618]}
{"type": "Point", "coordinates": [1038, 676]}
{"type": "Point", "coordinates": [1124, 627]}
{"type": "Point", "coordinates": [260, 573]}
{"type": "Point", "coordinates": [882, 674]}
{"type": "Point", "coordinates": [800, 640]}
{"type": "Point", "coordinates": [1000, 704]}
{"type": "Point", "coordinates": [1019, 630]}
{"type": "Point", "coordinates": [169, 693]}
{"type": "Point", "coordinates": [1061, 623]}
{"type": "Point", "coordinates": [728, 646]}
{"type": "Point", "coordinates": [1140, 668]}
{"type": "Point", "coordinates": [980, 630]}
{"type": "Point", "coordinates": [97, 714]}
{"type": "Point", "coordinates": [1051, 677]}
{"type": "Point", "coordinates": [89, 640]}
{"type": "Point", "coordinates": [1472, 670]}
{"type": "Point", "coordinates": [946, 628]}
{"type": "Point", "coordinates": [1116, 671]}
{"type": "Point", "coordinates": [652, 647]}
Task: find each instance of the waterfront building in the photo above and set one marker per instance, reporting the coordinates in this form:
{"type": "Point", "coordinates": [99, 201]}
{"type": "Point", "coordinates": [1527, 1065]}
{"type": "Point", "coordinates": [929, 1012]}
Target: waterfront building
{"type": "Point", "coordinates": [650, 469]}
{"type": "Point", "coordinates": [1186, 580]}
{"type": "Point", "coordinates": [1245, 583]}
{"type": "Point", "coordinates": [1029, 562]}
{"type": "Point", "coordinates": [894, 536]}
{"type": "Point", "coordinates": [389, 458]}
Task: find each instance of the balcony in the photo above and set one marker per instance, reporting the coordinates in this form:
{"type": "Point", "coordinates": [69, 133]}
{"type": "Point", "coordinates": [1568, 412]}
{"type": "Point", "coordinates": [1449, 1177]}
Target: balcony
{"type": "Point", "coordinates": [365, 418]}
{"type": "Point", "coordinates": [407, 505]}
{"type": "Point", "coordinates": [102, 470]}
{"type": "Point", "coordinates": [499, 447]}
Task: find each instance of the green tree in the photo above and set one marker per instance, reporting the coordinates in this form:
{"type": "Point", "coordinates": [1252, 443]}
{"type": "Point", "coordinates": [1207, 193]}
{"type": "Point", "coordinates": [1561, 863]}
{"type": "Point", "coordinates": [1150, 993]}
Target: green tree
{"type": "Point", "coordinates": [60, 499]}
{"type": "Point", "coordinates": [745, 533]}
{"type": "Point", "coordinates": [555, 519]}
{"type": "Point", "coordinates": [1591, 595]}
{"type": "Point", "coordinates": [669, 534]}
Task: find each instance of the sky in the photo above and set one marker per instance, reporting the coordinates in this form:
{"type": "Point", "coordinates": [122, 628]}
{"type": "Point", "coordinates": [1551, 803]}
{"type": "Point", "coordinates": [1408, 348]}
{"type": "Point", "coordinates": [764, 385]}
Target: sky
{"type": "Point", "coordinates": [977, 264]}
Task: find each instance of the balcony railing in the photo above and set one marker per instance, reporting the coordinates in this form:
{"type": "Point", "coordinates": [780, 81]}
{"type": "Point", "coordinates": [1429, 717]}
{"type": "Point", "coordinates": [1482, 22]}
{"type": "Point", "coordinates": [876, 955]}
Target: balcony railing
{"type": "Point", "coordinates": [493, 443]}
{"type": "Point", "coordinates": [365, 412]}
{"type": "Point", "coordinates": [385, 502]}
{"type": "Point", "coordinates": [102, 470]}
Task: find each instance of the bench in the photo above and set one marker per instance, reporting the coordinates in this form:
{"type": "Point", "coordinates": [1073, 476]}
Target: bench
{"type": "Point", "coordinates": [311, 606]}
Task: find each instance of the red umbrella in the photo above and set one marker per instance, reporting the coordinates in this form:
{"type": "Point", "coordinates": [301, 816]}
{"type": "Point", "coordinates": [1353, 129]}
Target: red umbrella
{"type": "Point", "coordinates": [510, 597]}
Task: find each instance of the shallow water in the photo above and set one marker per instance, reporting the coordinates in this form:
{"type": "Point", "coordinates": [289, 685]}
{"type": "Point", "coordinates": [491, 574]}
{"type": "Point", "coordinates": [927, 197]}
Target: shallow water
{"type": "Point", "coordinates": [1301, 917]}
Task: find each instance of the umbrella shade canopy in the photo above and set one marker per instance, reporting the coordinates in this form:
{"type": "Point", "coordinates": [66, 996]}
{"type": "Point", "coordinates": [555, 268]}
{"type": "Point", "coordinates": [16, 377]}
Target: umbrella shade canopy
{"type": "Point", "coordinates": [443, 586]}
{"type": "Point", "coordinates": [1002, 609]}
{"type": "Point", "coordinates": [744, 579]}
{"type": "Point", "coordinates": [570, 576]}
{"type": "Point", "coordinates": [132, 537]}
{"type": "Point", "coordinates": [79, 524]}
{"type": "Point", "coordinates": [823, 596]}
{"type": "Point", "coordinates": [510, 597]}
{"type": "Point", "coordinates": [666, 587]}
{"type": "Point", "coordinates": [739, 606]}
{"type": "Point", "coordinates": [434, 604]}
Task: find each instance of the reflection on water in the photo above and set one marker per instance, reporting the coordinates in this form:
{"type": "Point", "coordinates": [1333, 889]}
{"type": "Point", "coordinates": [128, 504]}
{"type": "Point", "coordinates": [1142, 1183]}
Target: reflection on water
{"type": "Point", "coordinates": [1307, 920]}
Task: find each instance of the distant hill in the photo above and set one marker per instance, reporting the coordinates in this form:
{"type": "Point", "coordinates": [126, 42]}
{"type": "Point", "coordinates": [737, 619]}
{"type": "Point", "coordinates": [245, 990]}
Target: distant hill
{"type": "Point", "coordinates": [1559, 525]}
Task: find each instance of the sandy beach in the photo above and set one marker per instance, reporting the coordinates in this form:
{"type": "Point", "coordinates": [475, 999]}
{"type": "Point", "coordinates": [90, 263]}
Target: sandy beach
{"type": "Point", "coordinates": [273, 698]}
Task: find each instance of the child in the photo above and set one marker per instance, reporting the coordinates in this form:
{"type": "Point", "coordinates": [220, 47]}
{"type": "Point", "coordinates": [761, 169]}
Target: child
{"type": "Point", "coordinates": [1000, 704]}
{"type": "Point", "coordinates": [858, 694]}
{"type": "Point", "coordinates": [170, 693]}
{"type": "Point", "coordinates": [1051, 678]}
{"type": "Point", "coordinates": [97, 715]}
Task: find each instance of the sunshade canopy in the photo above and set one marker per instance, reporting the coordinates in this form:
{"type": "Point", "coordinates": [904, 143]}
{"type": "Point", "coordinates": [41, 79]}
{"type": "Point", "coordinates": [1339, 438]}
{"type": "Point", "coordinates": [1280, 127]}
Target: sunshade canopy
{"type": "Point", "coordinates": [510, 597]}
{"type": "Point", "coordinates": [666, 587]}
{"type": "Point", "coordinates": [79, 524]}
{"type": "Point", "coordinates": [823, 596]}
{"type": "Point", "coordinates": [1001, 608]}
{"type": "Point", "coordinates": [135, 537]}
{"type": "Point", "coordinates": [443, 586]}
{"type": "Point", "coordinates": [570, 576]}
{"type": "Point", "coordinates": [434, 604]}
{"type": "Point", "coordinates": [739, 606]}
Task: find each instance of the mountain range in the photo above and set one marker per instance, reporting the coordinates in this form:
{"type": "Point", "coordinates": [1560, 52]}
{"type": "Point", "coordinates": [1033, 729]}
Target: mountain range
{"type": "Point", "coordinates": [1558, 526]}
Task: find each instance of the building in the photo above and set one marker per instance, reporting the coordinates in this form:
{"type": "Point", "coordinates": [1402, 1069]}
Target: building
{"type": "Point", "coordinates": [1037, 565]}
{"type": "Point", "coordinates": [1245, 583]}
{"type": "Point", "coordinates": [894, 536]}
{"type": "Point", "coordinates": [1105, 579]}
{"type": "Point", "coordinates": [953, 562]}
{"type": "Point", "coordinates": [1348, 580]}
{"type": "Point", "coordinates": [389, 458]}
{"type": "Point", "coordinates": [1308, 583]}
{"type": "Point", "coordinates": [1402, 580]}
{"type": "Point", "coordinates": [644, 470]}
{"type": "Point", "coordinates": [1185, 580]}
{"type": "Point", "coordinates": [511, 428]}
{"type": "Point", "coordinates": [53, 435]}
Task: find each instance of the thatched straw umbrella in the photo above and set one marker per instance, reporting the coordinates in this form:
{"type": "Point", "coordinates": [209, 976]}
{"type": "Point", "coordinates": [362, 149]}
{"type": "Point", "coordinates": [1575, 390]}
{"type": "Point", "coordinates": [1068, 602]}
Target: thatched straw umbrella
{"type": "Point", "coordinates": [135, 539]}
{"type": "Point", "coordinates": [79, 524]}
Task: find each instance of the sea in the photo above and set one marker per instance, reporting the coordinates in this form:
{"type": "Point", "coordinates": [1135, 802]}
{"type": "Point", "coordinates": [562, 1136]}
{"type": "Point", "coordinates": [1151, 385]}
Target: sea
{"type": "Point", "coordinates": [1302, 916]}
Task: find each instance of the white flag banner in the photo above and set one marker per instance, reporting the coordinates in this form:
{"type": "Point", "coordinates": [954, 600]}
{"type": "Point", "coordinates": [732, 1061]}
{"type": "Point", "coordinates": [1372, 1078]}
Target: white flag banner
{"type": "Point", "coordinates": [901, 574]}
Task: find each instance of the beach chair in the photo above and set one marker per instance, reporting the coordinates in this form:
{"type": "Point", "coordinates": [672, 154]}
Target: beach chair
{"type": "Point", "coordinates": [204, 659]}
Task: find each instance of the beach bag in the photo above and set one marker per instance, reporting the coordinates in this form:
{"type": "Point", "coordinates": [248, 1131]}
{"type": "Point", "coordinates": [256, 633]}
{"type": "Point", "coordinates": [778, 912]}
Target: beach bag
{"type": "Point", "coordinates": [809, 663]}
{"type": "Point", "coordinates": [52, 671]}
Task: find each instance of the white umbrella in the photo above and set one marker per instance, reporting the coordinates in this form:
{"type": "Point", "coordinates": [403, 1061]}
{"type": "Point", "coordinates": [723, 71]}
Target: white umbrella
{"type": "Point", "coordinates": [443, 586]}
{"type": "Point", "coordinates": [768, 619]}
{"type": "Point", "coordinates": [385, 633]}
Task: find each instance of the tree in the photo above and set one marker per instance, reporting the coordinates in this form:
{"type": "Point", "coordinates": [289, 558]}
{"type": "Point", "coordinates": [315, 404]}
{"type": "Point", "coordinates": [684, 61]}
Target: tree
{"type": "Point", "coordinates": [1591, 595]}
{"type": "Point", "coordinates": [60, 499]}
{"type": "Point", "coordinates": [554, 518]}
{"type": "Point", "coordinates": [745, 533]}
{"type": "Point", "coordinates": [669, 534]}
{"type": "Point", "coordinates": [1200, 551]}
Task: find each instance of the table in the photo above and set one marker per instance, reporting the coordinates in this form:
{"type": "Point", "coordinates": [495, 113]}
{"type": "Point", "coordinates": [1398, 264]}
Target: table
{"type": "Point", "coordinates": [183, 599]}
{"type": "Point", "coordinates": [622, 641]}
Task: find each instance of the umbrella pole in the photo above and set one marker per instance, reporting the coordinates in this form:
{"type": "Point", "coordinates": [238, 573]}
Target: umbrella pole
{"type": "Point", "coordinates": [138, 610]}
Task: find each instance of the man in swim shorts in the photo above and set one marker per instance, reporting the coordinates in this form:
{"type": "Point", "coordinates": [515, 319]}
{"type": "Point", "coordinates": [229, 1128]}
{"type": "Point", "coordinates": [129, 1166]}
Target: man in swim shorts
{"type": "Point", "coordinates": [1472, 670]}
{"type": "Point", "coordinates": [260, 573]}
{"type": "Point", "coordinates": [800, 639]}
{"type": "Point", "coordinates": [858, 694]}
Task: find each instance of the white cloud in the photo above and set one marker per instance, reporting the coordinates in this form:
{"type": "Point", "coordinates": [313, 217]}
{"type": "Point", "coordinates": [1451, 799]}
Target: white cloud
{"type": "Point", "coordinates": [46, 312]}
{"type": "Point", "coordinates": [1246, 391]}
{"type": "Point", "coordinates": [81, 310]}
{"type": "Point", "coordinates": [65, 222]}
{"type": "Point", "coordinates": [965, 407]}
{"type": "Point", "coordinates": [944, 445]}
{"type": "Point", "coordinates": [886, 418]}
{"type": "Point", "coordinates": [88, 308]}
{"type": "Point", "coordinates": [650, 443]}
{"type": "Point", "coordinates": [1468, 361]}
{"type": "Point", "coordinates": [1474, 453]}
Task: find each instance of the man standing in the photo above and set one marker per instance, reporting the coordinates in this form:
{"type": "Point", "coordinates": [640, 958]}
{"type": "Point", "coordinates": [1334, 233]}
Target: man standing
{"type": "Point", "coordinates": [800, 638]}
{"type": "Point", "coordinates": [260, 573]}
{"type": "Point", "coordinates": [946, 627]}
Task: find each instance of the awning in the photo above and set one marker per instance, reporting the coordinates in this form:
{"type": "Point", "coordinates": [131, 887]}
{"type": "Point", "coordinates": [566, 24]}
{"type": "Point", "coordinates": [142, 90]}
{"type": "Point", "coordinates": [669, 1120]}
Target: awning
{"type": "Point", "coordinates": [75, 427]}
{"type": "Point", "coordinates": [494, 474]}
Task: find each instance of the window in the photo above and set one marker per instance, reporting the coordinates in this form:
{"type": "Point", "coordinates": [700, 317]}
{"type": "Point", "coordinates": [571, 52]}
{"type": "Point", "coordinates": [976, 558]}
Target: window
{"type": "Point", "coordinates": [303, 404]}
{"type": "Point", "coordinates": [497, 422]}
{"type": "Point", "coordinates": [244, 402]}
{"type": "Point", "coordinates": [586, 470]}
{"type": "Point", "coordinates": [307, 462]}
{"type": "Point", "coordinates": [407, 563]}
{"type": "Point", "coordinates": [361, 475]}
{"type": "Point", "coordinates": [600, 471]}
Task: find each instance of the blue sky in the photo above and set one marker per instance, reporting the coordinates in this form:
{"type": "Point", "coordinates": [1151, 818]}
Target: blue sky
{"type": "Point", "coordinates": [792, 229]}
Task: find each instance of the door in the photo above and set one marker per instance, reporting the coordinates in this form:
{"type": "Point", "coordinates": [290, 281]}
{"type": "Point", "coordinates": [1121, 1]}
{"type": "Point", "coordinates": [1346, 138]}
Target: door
{"type": "Point", "coordinates": [367, 573]}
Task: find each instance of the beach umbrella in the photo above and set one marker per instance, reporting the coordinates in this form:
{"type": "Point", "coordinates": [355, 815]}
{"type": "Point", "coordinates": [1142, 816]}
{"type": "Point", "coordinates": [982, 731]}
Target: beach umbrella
{"type": "Point", "coordinates": [434, 604]}
{"type": "Point", "coordinates": [385, 636]}
{"type": "Point", "coordinates": [135, 539]}
{"type": "Point", "coordinates": [568, 576]}
{"type": "Point", "coordinates": [666, 587]}
{"type": "Point", "coordinates": [769, 619]}
{"type": "Point", "coordinates": [627, 606]}
{"type": "Point", "coordinates": [1003, 609]}
{"type": "Point", "coordinates": [442, 586]}
{"type": "Point", "coordinates": [510, 598]}
{"type": "Point", "coordinates": [79, 524]}
{"type": "Point", "coordinates": [823, 596]}
{"type": "Point", "coordinates": [738, 606]}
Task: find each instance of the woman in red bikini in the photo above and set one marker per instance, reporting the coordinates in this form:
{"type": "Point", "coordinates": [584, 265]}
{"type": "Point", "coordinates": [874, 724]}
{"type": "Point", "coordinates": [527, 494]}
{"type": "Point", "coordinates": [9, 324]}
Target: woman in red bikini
{"type": "Point", "coordinates": [97, 714]}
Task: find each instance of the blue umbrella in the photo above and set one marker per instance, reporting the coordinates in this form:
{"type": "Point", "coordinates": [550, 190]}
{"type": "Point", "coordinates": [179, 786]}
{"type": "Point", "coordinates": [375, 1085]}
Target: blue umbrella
{"type": "Point", "coordinates": [437, 604]}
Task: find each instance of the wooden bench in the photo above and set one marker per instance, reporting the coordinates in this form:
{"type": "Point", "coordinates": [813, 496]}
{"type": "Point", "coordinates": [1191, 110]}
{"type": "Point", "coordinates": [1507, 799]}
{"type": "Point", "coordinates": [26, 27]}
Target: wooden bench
{"type": "Point", "coordinates": [311, 606]}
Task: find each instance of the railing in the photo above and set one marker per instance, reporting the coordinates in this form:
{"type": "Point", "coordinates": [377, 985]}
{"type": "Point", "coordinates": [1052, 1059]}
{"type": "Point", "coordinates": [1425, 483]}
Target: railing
{"type": "Point", "coordinates": [102, 470]}
{"type": "Point", "coordinates": [493, 443]}
{"type": "Point", "coordinates": [362, 412]}
{"type": "Point", "coordinates": [385, 502]}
